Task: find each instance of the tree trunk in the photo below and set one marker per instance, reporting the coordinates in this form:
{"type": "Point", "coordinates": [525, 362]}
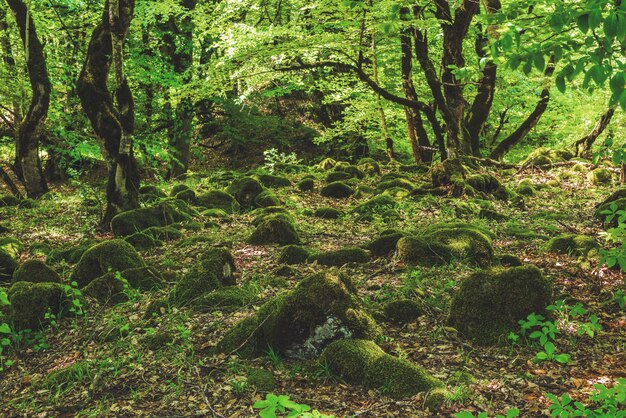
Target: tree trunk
{"type": "Point", "coordinates": [9, 62]}
{"type": "Point", "coordinates": [113, 124]}
{"type": "Point", "coordinates": [31, 128]}
{"type": "Point", "coordinates": [584, 144]}
{"type": "Point", "coordinates": [379, 105]}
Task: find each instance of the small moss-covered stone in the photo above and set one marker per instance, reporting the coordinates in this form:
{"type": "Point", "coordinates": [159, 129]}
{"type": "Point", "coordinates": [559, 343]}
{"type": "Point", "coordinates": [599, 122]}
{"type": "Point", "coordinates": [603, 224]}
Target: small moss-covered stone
{"type": "Point", "coordinates": [31, 301]}
{"type": "Point", "coordinates": [164, 214]}
{"type": "Point", "coordinates": [217, 199]}
{"type": "Point", "coordinates": [328, 213]}
{"type": "Point", "coordinates": [270, 180]}
{"type": "Point", "coordinates": [112, 255]}
{"type": "Point", "coordinates": [263, 214]}
{"type": "Point", "coordinates": [306, 185]}
{"type": "Point", "coordinates": [375, 204]}
{"type": "Point", "coordinates": [526, 189]}
{"type": "Point", "coordinates": [107, 289]}
{"type": "Point", "coordinates": [293, 254]}
{"type": "Point", "coordinates": [547, 156]}
{"type": "Point", "coordinates": [245, 190]}
{"type": "Point", "coordinates": [362, 362]}
{"type": "Point", "coordinates": [8, 265]}
{"type": "Point", "coordinates": [225, 299]}
{"type": "Point", "coordinates": [267, 198]}
{"type": "Point", "coordinates": [369, 167]}
{"type": "Point", "coordinates": [141, 241]}
{"type": "Point", "coordinates": [71, 254]}
{"type": "Point", "coordinates": [8, 201]}
{"type": "Point", "coordinates": [385, 244]}
{"type": "Point", "coordinates": [178, 188]}
{"type": "Point", "coordinates": [152, 190]}
{"type": "Point", "coordinates": [573, 244]}
{"type": "Point", "coordinates": [340, 257]}
{"type": "Point", "coordinates": [214, 270]}
{"type": "Point", "coordinates": [11, 246]}
{"type": "Point", "coordinates": [187, 195]}
{"type": "Point", "coordinates": [600, 177]}
{"type": "Point", "coordinates": [261, 379]}
{"type": "Point", "coordinates": [490, 302]}
{"type": "Point", "coordinates": [338, 176]}
{"type": "Point", "coordinates": [510, 260]}
{"type": "Point", "coordinates": [399, 182]}
{"type": "Point", "coordinates": [492, 215]}
{"type": "Point", "coordinates": [36, 271]}
{"type": "Point", "coordinates": [484, 183]}
{"type": "Point", "coordinates": [143, 278]}
{"type": "Point", "coordinates": [416, 250]}
{"type": "Point", "coordinates": [337, 190]}
{"type": "Point", "coordinates": [274, 229]}
{"type": "Point", "coordinates": [447, 172]}
{"type": "Point", "coordinates": [219, 214]}
{"type": "Point", "coordinates": [402, 311]}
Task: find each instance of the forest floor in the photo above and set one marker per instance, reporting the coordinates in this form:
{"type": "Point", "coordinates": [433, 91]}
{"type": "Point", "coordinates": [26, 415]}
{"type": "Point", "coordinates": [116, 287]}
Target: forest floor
{"type": "Point", "coordinates": [113, 373]}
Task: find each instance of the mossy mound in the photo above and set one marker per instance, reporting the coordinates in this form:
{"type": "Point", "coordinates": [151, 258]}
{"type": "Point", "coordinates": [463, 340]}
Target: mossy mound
{"type": "Point", "coordinates": [350, 169]}
{"type": "Point", "coordinates": [396, 183]}
{"type": "Point", "coordinates": [328, 213]}
{"type": "Point", "coordinates": [71, 254]}
{"type": "Point", "coordinates": [36, 271]}
{"type": "Point", "coordinates": [342, 256]}
{"type": "Point", "coordinates": [217, 199]}
{"type": "Point", "coordinates": [375, 204]}
{"type": "Point", "coordinates": [187, 195]}
{"type": "Point", "coordinates": [573, 244]}
{"type": "Point", "coordinates": [261, 379]}
{"type": "Point", "coordinates": [225, 299]}
{"type": "Point", "coordinates": [274, 229]}
{"type": "Point", "coordinates": [164, 214]}
{"type": "Point", "coordinates": [600, 177]}
{"type": "Point", "coordinates": [108, 289]}
{"type": "Point", "coordinates": [11, 246]}
{"type": "Point", "coordinates": [369, 167]}
{"type": "Point", "coordinates": [219, 214]}
{"type": "Point", "coordinates": [293, 254]}
{"type": "Point", "coordinates": [263, 214]}
{"type": "Point", "coordinates": [448, 172]}
{"type": "Point", "coordinates": [385, 244]}
{"type": "Point", "coordinates": [485, 183]}
{"type": "Point", "coordinates": [143, 278]}
{"type": "Point", "coordinates": [510, 260]}
{"type": "Point", "coordinates": [418, 251]}
{"type": "Point", "coordinates": [8, 265]}
{"type": "Point", "coordinates": [402, 311]}
{"type": "Point", "coordinates": [178, 188]}
{"type": "Point", "coordinates": [338, 176]}
{"type": "Point", "coordinates": [337, 190]}
{"type": "Point", "coordinates": [326, 164]}
{"type": "Point", "coordinates": [492, 215]}
{"type": "Point", "coordinates": [364, 363]}
{"type": "Point", "coordinates": [141, 241]}
{"type": "Point", "coordinates": [31, 301]}
{"type": "Point", "coordinates": [547, 156]}
{"type": "Point", "coordinates": [245, 190]}
{"type": "Point", "coordinates": [270, 180]}
{"type": "Point", "coordinates": [112, 255]}
{"type": "Point", "coordinates": [490, 302]}
{"type": "Point", "coordinates": [526, 189]}
{"type": "Point", "coordinates": [214, 270]}
{"type": "Point", "coordinates": [9, 201]}
{"type": "Point", "coordinates": [306, 185]}
{"type": "Point", "coordinates": [267, 198]}
{"type": "Point", "coordinates": [152, 191]}
{"type": "Point", "coordinates": [300, 323]}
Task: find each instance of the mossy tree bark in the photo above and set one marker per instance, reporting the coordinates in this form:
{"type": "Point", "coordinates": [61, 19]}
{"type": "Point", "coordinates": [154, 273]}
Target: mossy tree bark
{"type": "Point", "coordinates": [31, 129]}
{"type": "Point", "coordinates": [113, 121]}
{"type": "Point", "coordinates": [584, 144]}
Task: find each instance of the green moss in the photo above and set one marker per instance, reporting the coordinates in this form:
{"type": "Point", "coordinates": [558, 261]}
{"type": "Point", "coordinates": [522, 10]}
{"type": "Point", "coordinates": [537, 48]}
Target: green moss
{"type": "Point", "coordinates": [293, 254]}
{"type": "Point", "coordinates": [216, 199]}
{"type": "Point", "coordinates": [282, 271]}
{"type": "Point", "coordinates": [337, 176]}
{"type": "Point", "coordinates": [375, 204]}
{"type": "Point", "coordinates": [384, 245]}
{"type": "Point", "coordinates": [490, 302]}
{"type": "Point", "coordinates": [397, 193]}
{"type": "Point", "coordinates": [263, 214]}
{"type": "Point", "coordinates": [274, 229]}
{"type": "Point", "coordinates": [419, 251]}
{"type": "Point", "coordinates": [8, 265]}
{"type": "Point", "coordinates": [188, 196]}
{"type": "Point", "coordinates": [164, 214]}
{"type": "Point", "coordinates": [142, 241]}
{"type": "Point", "coordinates": [71, 254]}
{"type": "Point", "coordinates": [178, 188]}
{"type": "Point", "coordinates": [112, 255]}
{"type": "Point", "coordinates": [363, 363]}
{"type": "Point", "coordinates": [369, 167]}
{"type": "Point", "coordinates": [573, 244]}
{"type": "Point", "coordinates": [510, 260]}
{"type": "Point", "coordinates": [341, 257]}
{"type": "Point", "coordinates": [484, 183]}
{"type": "Point", "coordinates": [11, 246]}
{"type": "Point", "coordinates": [327, 212]}
{"type": "Point", "coordinates": [306, 185]}
{"type": "Point", "coordinates": [225, 299]}
{"type": "Point", "coordinates": [402, 311]}
{"type": "Point", "coordinates": [261, 379]}
{"type": "Point", "coordinates": [526, 189]}
{"type": "Point", "coordinates": [267, 198]}
{"type": "Point", "coordinates": [152, 190]}
{"type": "Point", "coordinates": [245, 190]}
{"type": "Point", "coordinates": [36, 271]}
{"type": "Point", "coordinates": [327, 164]}
{"type": "Point", "coordinates": [447, 172]}
{"type": "Point", "coordinates": [546, 156]}
{"type": "Point", "coordinates": [242, 339]}
{"type": "Point", "coordinates": [215, 214]}
{"type": "Point", "coordinates": [9, 201]}
{"type": "Point", "coordinates": [107, 289]}
{"type": "Point", "coordinates": [399, 182]}
{"type": "Point", "coordinates": [270, 180]}
{"type": "Point", "coordinates": [492, 215]}
{"type": "Point", "coordinates": [337, 190]}
{"type": "Point", "coordinates": [31, 301]}
{"type": "Point", "coordinates": [600, 176]}
{"type": "Point", "coordinates": [143, 278]}
{"type": "Point", "coordinates": [350, 169]}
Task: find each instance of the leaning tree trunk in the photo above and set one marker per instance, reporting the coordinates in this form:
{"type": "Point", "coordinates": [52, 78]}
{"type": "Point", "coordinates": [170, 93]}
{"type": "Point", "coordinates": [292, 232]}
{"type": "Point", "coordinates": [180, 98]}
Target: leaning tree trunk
{"type": "Point", "coordinates": [584, 144]}
{"type": "Point", "coordinates": [30, 131]}
{"type": "Point", "coordinates": [112, 122]}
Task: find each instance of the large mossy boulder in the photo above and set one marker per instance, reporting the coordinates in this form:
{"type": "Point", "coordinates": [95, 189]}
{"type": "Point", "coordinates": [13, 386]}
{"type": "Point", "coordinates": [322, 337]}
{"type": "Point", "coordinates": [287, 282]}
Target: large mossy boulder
{"type": "Point", "coordinates": [362, 362]}
{"type": "Point", "coordinates": [546, 156]}
{"type": "Point", "coordinates": [275, 229]}
{"type": "Point", "coordinates": [340, 257]}
{"type": "Point", "coordinates": [245, 190]}
{"type": "Point", "coordinates": [266, 199]}
{"type": "Point", "coordinates": [573, 244]}
{"type": "Point", "coordinates": [337, 190]}
{"type": "Point", "coordinates": [30, 302]}
{"type": "Point", "coordinates": [293, 254]}
{"type": "Point", "coordinates": [36, 271]}
{"type": "Point", "coordinates": [327, 212]}
{"type": "Point", "coordinates": [306, 185]}
{"type": "Point", "coordinates": [136, 220]}
{"type": "Point", "coordinates": [113, 255]}
{"type": "Point", "coordinates": [300, 323]}
{"type": "Point", "coordinates": [214, 270]}
{"type": "Point", "coordinates": [217, 199]}
{"type": "Point", "coordinates": [385, 244]}
{"type": "Point", "coordinates": [448, 172]}
{"type": "Point", "coordinates": [600, 177]}
{"type": "Point", "coordinates": [8, 265]}
{"type": "Point", "coordinates": [70, 254]}
{"type": "Point", "coordinates": [108, 289]}
{"type": "Point", "coordinates": [490, 303]}
{"type": "Point", "coordinates": [402, 311]}
{"type": "Point", "coordinates": [270, 180]}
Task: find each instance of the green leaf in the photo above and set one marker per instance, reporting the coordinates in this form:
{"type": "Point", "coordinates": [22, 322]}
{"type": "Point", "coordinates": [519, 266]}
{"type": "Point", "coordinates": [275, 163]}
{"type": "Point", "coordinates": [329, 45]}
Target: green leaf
{"type": "Point", "coordinates": [610, 26]}
{"type": "Point", "coordinates": [562, 358]}
{"type": "Point", "coordinates": [5, 328]}
{"type": "Point", "coordinates": [269, 412]}
{"type": "Point", "coordinates": [595, 18]}
{"type": "Point", "coordinates": [549, 347]}
{"type": "Point", "coordinates": [583, 23]}
{"type": "Point", "coordinates": [622, 100]}
{"type": "Point", "coordinates": [539, 61]}
{"type": "Point", "coordinates": [617, 83]}
{"type": "Point", "coordinates": [560, 84]}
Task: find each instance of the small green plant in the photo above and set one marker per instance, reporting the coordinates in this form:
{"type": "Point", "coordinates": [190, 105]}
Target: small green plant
{"type": "Point", "coordinates": [604, 402]}
{"type": "Point", "coordinates": [281, 404]}
{"type": "Point", "coordinates": [5, 333]}
{"type": "Point", "coordinates": [273, 158]}
{"type": "Point", "coordinates": [129, 291]}
{"type": "Point", "coordinates": [619, 298]}
{"type": "Point", "coordinates": [536, 328]}
{"type": "Point", "coordinates": [75, 296]}
{"type": "Point", "coordinates": [511, 413]}
{"type": "Point", "coordinates": [273, 357]}
{"type": "Point", "coordinates": [615, 236]}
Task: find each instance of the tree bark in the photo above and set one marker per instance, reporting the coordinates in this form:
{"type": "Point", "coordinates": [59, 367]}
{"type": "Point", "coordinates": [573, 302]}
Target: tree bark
{"type": "Point", "coordinates": [584, 144]}
{"type": "Point", "coordinates": [112, 122]}
{"type": "Point", "coordinates": [379, 105]}
{"type": "Point", "coordinates": [9, 62]}
{"type": "Point", "coordinates": [31, 129]}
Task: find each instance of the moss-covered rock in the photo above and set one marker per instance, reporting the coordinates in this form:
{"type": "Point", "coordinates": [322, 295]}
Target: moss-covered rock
{"type": "Point", "coordinates": [342, 256]}
{"type": "Point", "coordinates": [270, 180]}
{"type": "Point", "coordinates": [245, 190]}
{"type": "Point", "coordinates": [376, 204]}
{"type": "Point", "coordinates": [490, 302]}
{"type": "Point", "coordinates": [217, 199]}
{"type": "Point", "coordinates": [492, 215]}
{"type": "Point", "coordinates": [36, 271]}
{"type": "Point", "coordinates": [218, 214]}
{"type": "Point", "coordinates": [293, 254]}
{"type": "Point", "coordinates": [364, 363]}
{"type": "Point", "coordinates": [224, 299]}
{"type": "Point", "coordinates": [152, 190]}
{"type": "Point", "coordinates": [369, 167]}
{"type": "Point", "coordinates": [385, 244]}
{"type": "Point", "coordinates": [262, 214]}
{"type": "Point", "coordinates": [402, 311]}
{"type": "Point", "coordinates": [141, 241]}
{"type": "Point", "coordinates": [337, 190]}
{"type": "Point", "coordinates": [267, 198]}
{"type": "Point", "coordinates": [300, 323]}
{"type": "Point", "coordinates": [8, 265]}
{"type": "Point", "coordinates": [108, 289]}
{"type": "Point", "coordinates": [11, 246]}
{"type": "Point", "coordinates": [9, 201]}
{"type": "Point", "coordinates": [484, 183]}
{"type": "Point", "coordinates": [510, 260]}
{"type": "Point", "coordinates": [70, 254]}
{"type": "Point", "coordinates": [399, 183]}
{"type": "Point", "coordinates": [448, 172]}
{"type": "Point", "coordinates": [214, 270]}
{"type": "Point", "coordinates": [573, 244]}
{"type": "Point", "coordinates": [547, 156]}
{"type": "Point", "coordinates": [187, 195]}
{"type": "Point", "coordinates": [164, 214]}
{"type": "Point", "coordinates": [327, 212]}
{"type": "Point", "coordinates": [327, 164]}
{"type": "Point", "coordinates": [31, 301]}
{"type": "Point", "coordinates": [143, 278]}
{"type": "Point", "coordinates": [600, 177]}
{"type": "Point", "coordinates": [274, 229]}
{"type": "Point", "coordinates": [261, 379]}
{"type": "Point", "coordinates": [526, 189]}
{"type": "Point", "coordinates": [338, 176]}
{"type": "Point", "coordinates": [417, 250]}
{"type": "Point", "coordinates": [306, 185]}
{"type": "Point", "coordinates": [113, 255]}
{"type": "Point", "coordinates": [350, 169]}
